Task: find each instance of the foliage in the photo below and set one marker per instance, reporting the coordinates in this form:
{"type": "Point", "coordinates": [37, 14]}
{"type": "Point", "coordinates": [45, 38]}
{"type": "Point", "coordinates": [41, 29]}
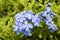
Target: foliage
{"type": "Point", "coordinates": [8, 8]}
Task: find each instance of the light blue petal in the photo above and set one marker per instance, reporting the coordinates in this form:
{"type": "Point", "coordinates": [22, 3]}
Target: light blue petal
{"type": "Point", "coordinates": [48, 9]}
{"type": "Point", "coordinates": [30, 26]}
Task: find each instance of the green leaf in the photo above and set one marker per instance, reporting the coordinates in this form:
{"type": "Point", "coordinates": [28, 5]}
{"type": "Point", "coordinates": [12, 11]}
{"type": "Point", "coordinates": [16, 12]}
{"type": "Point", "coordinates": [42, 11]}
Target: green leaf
{"type": "Point", "coordinates": [40, 35]}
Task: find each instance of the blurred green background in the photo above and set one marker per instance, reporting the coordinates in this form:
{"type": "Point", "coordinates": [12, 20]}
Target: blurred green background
{"type": "Point", "coordinates": [8, 8]}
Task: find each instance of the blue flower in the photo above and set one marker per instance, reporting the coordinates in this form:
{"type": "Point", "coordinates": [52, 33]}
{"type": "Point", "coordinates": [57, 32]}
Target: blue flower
{"type": "Point", "coordinates": [50, 24]}
{"type": "Point", "coordinates": [44, 13]}
{"type": "Point", "coordinates": [29, 15]}
{"type": "Point", "coordinates": [53, 28]}
{"type": "Point", "coordinates": [27, 33]}
{"type": "Point", "coordinates": [36, 20]}
{"type": "Point", "coordinates": [48, 9]}
{"type": "Point", "coordinates": [23, 22]}
{"type": "Point", "coordinates": [15, 28]}
{"type": "Point", "coordinates": [18, 23]}
{"type": "Point", "coordinates": [48, 18]}
{"type": "Point", "coordinates": [30, 26]}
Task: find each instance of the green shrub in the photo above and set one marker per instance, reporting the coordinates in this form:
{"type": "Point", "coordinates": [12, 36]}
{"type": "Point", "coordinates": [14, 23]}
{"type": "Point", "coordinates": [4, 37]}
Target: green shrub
{"type": "Point", "coordinates": [8, 8]}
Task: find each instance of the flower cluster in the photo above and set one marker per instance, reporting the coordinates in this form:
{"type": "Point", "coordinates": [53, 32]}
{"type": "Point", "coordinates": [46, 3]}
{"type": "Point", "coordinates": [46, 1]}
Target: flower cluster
{"type": "Point", "coordinates": [48, 18]}
{"type": "Point", "coordinates": [25, 22]}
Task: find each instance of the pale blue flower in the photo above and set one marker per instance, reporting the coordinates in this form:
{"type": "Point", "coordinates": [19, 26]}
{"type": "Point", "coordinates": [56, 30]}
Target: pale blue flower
{"type": "Point", "coordinates": [18, 23]}
{"type": "Point", "coordinates": [23, 22]}
{"type": "Point", "coordinates": [48, 9]}
{"type": "Point", "coordinates": [36, 20]}
{"type": "Point", "coordinates": [44, 13]}
{"type": "Point", "coordinates": [30, 26]}
{"type": "Point", "coordinates": [27, 33]}
{"type": "Point", "coordinates": [48, 18]}
{"type": "Point", "coordinates": [53, 28]}
{"type": "Point", "coordinates": [16, 28]}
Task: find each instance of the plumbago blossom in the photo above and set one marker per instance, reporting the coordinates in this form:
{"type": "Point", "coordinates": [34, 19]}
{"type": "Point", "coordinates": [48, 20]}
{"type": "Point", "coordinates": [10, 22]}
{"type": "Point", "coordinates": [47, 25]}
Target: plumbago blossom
{"type": "Point", "coordinates": [48, 18]}
{"type": "Point", "coordinates": [25, 21]}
